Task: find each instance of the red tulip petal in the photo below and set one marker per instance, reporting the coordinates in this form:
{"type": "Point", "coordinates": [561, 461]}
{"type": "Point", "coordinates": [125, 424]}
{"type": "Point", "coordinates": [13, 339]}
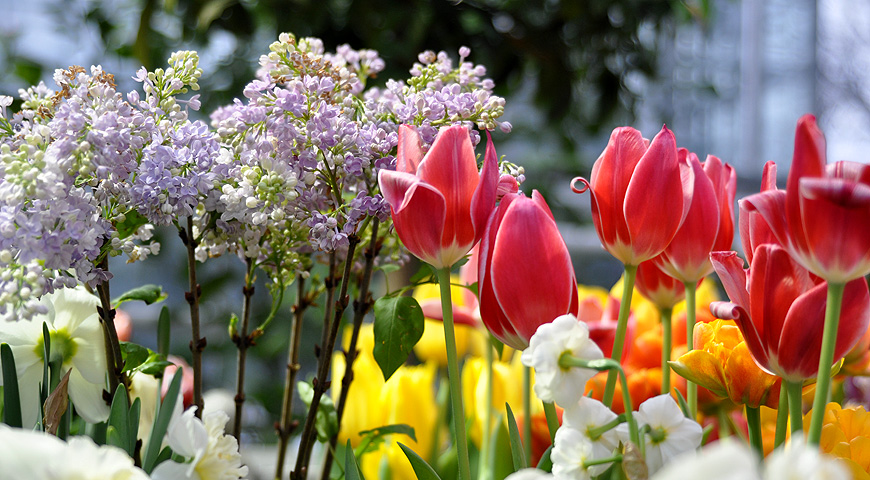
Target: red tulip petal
{"type": "Point", "coordinates": [757, 347]}
{"type": "Point", "coordinates": [483, 200]}
{"type": "Point", "coordinates": [808, 161]}
{"type": "Point", "coordinates": [506, 184]}
{"type": "Point", "coordinates": [753, 228]}
{"type": "Point", "coordinates": [410, 150]}
{"type": "Point", "coordinates": [801, 335]}
{"type": "Point", "coordinates": [770, 205]}
{"type": "Point", "coordinates": [548, 286]}
{"type": "Point", "coordinates": [418, 214]}
{"type": "Point", "coordinates": [729, 267]}
{"type": "Point", "coordinates": [652, 224]}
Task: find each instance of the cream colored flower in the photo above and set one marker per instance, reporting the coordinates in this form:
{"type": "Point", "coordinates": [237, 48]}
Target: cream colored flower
{"type": "Point", "coordinates": [670, 432]}
{"type": "Point", "coordinates": [76, 338]}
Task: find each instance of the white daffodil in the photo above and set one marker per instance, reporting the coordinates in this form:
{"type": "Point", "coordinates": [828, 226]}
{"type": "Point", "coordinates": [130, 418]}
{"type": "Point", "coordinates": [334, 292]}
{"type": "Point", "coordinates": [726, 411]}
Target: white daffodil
{"type": "Point", "coordinates": [571, 451]}
{"type": "Point", "coordinates": [554, 383]}
{"type": "Point", "coordinates": [722, 460]}
{"type": "Point", "coordinates": [211, 454]}
{"type": "Point", "coordinates": [76, 338]}
{"type": "Point", "coordinates": [670, 432]}
{"type": "Point", "coordinates": [589, 416]}
{"type": "Point", "coordinates": [39, 456]}
{"type": "Point", "coordinates": [799, 461]}
{"type": "Point", "coordinates": [530, 474]}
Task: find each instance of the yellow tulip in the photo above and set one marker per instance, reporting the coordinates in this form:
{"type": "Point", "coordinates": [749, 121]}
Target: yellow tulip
{"type": "Point", "coordinates": [846, 434]}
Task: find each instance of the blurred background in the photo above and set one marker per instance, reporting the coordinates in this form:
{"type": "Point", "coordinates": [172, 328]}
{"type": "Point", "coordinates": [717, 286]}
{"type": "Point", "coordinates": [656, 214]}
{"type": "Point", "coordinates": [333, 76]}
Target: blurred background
{"type": "Point", "coordinates": [730, 78]}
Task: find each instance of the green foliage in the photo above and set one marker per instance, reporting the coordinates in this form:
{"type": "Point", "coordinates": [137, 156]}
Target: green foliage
{"type": "Point", "coordinates": [123, 423]}
{"type": "Point", "coordinates": [372, 439]}
{"type": "Point", "coordinates": [147, 293]}
{"type": "Point", "coordinates": [517, 453]}
{"type": "Point", "coordinates": [398, 327]}
{"type": "Point", "coordinates": [11, 398]}
{"type": "Point", "coordinates": [140, 359]}
{"type": "Point", "coordinates": [351, 467]}
{"type": "Point", "coordinates": [423, 470]}
{"type": "Point", "coordinates": [161, 423]}
{"type": "Point", "coordinates": [326, 421]}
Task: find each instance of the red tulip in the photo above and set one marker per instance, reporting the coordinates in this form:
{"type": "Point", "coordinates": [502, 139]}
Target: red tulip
{"type": "Point", "coordinates": [780, 309]}
{"type": "Point", "coordinates": [439, 202]}
{"type": "Point", "coordinates": [823, 216]}
{"type": "Point", "coordinates": [525, 274]}
{"type": "Point", "coordinates": [754, 231]}
{"type": "Point", "coordinates": [709, 224]}
{"type": "Point", "coordinates": [638, 195]}
{"type": "Point", "coordinates": [663, 290]}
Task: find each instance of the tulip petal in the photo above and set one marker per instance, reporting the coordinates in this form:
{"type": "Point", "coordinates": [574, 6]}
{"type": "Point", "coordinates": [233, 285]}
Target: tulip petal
{"type": "Point", "coordinates": [746, 383]}
{"type": "Point", "coordinates": [754, 229]}
{"type": "Point", "coordinates": [808, 161]}
{"type": "Point", "coordinates": [421, 234]}
{"type": "Point", "coordinates": [770, 205]}
{"type": "Point", "coordinates": [409, 152]}
{"type": "Point", "coordinates": [701, 367]}
{"type": "Point", "coordinates": [652, 224]}
{"type": "Point", "coordinates": [483, 200]}
{"type": "Point", "coordinates": [729, 267]}
{"type": "Point", "coordinates": [506, 184]}
{"type": "Point", "coordinates": [731, 311]}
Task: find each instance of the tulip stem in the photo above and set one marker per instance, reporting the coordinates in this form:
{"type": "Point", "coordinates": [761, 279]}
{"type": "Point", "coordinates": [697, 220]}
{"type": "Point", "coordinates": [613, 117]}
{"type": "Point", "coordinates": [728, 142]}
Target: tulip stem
{"type": "Point", "coordinates": [795, 410]}
{"type": "Point", "coordinates": [826, 359]}
{"type": "Point", "coordinates": [484, 465]}
{"type": "Point", "coordinates": [691, 387]}
{"type": "Point", "coordinates": [453, 375]}
{"type": "Point", "coordinates": [552, 419]}
{"type": "Point", "coordinates": [527, 412]}
{"type": "Point", "coordinates": [781, 415]}
{"type": "Point", "coordinates": [753, 421]}
{"type": "Point", "coordinates": [621, 327]}
{"type": "Point", "coordinates": [666, 314]}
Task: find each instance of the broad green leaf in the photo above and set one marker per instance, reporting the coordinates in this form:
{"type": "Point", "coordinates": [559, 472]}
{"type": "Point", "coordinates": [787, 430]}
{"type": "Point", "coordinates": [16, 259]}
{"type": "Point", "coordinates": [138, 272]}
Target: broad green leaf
{"type": "Point", "coordinates": [398, 327]}
{"type": "Point", "coordinates": [425, 271]}
{"type": "Point", "coordinates": [423, 470]}
{"type": "Point", "coordinates": [351, 467]}
{"type": "Point", "coordinates": [11, 397]}
{"type": "Point", "coordinates": [132, 221]}
{"type": "Point", "coordinates": [133, 355]}
{"type": "Point", "coordinates": [326, 420]}
{"type": "Point", "coordinates": [545, 463]}
{"type": "Point", "coordinates": [517, 452]}
{"type": "Point", "coordinates": [119, 423]}
{"type": "Point", "coordinates": [161, 423]}
{"type": "Point", "coordinates": [147, 293]}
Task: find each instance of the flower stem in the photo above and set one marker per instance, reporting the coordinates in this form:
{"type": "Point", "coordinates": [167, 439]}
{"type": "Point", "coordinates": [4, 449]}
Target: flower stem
{"type": "Point", "coordinates": [527, 412]}
{"type": "Point", "coordinates": [243, 341]}
{"type": "Point", "coordinates": [781, 415]}
{"type": "Point", "coordinates": [453, 375]}
{"type": "Point", "coordinates": [621, 327]}
{"type": "Point", "coordinates": [286, 425]}
{"type": "Point", "coordinates": [552, 419]}
{"type": "Point", "coordinates": [197, 343]}
{"type": "Point", "coordinates": [795, 411]}
{"type": "Point", "coordinates": [666, 314]}
{"type": "Point", "coordinates": [484, 467]}
{"type": "Point", "coordinates": [753, 420]}
{"type": "Point", "coordinates": [826, 359]}
{"type": "Point", "coordinates": [691, 387]}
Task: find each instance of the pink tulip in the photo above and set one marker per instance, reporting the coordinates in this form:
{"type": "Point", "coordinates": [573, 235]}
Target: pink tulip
{"type": "Point", "coordinates": [439, 202]}
{"type": "Point", "coordinates": [823, 216]}
{"type": "Point", "coordinates": [780, 309]}
{"type": "Point", "coordinates": [525, 274]}
{"type": "Point", "coordinates": [709, 224]}
{"type": "Point", "coordinates": [638, 195]}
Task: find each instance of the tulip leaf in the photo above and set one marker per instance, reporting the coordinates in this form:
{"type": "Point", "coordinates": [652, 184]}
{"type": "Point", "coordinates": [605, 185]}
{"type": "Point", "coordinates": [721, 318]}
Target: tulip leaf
{"type": "Point", "coordinates": [163, 331]}
{"type": "Point", "coordinates": [496, 343]}
{"type": "Point", "coordinates": [517, 452]}
{"type": "Point", "coordinates": [161, 423]}
{"type": "Point", "coordinates": [398, 327]}
{"type": "Point", "coordinates": [546, 464]}
{"type": "Point", "coordinates": [326, 420]}
{"type": "Point", "coordinates": [11, 397]}
{"type": "Point", "coordinates": [147, 293]}
{"type": "Point", "coordinates": [423, 470]}
{"type": "Point", "coordinates": [684, 406]}
{"type": "Point", "coordinates": [351, 467]}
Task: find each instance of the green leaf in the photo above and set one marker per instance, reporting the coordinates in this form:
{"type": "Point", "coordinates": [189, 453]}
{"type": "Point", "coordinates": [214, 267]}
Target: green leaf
{"type": "Point", "coordinates": [425, 272]}
{"type": "Point", "coordinates": [423, 470]}
{"type": "Point", "coordinates": [163, 331]}
{"type": "Point", "coordinates": [684, 406]}
{"type": "Point", "coordinates": [132, 221]}
{"type": "Point", "coordinates": [517, 452]}
{"type": "Point", "coordinates": [133, 355]}
{"type": "Point", "coordinates": [11, 397]}
{"type": "Point", "coordinates": [161, 423]}
{"type": "Point", "coordinates": [398, 327]}
{"type": "Point", "coordinates": [147, 293]}
{"type": "Point", "coordinates": [119, 424]}
{"type": "Point", "coordinates": [389, 268]}
{"type": "Point", "coordinates": [545, 463]}
{"type": "Point", "coordinates": [326, 420]}
{"type": "Point", "coordinates": [351, 467]}
{"type": "Point", "coordinates": [372, 439]}
{"type": "Point", "coordinates": [496, 343]}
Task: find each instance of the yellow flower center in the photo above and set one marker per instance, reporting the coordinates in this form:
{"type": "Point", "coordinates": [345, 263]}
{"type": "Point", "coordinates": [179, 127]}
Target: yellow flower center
{"type": "Point", "coordinates": [62, 345]}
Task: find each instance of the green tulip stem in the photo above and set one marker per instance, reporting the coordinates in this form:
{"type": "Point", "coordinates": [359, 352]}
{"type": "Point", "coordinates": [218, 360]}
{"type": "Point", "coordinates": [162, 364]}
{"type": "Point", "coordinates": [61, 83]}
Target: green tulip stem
{"type": "Point", "coordinates": [527, 412]}
{"type": "Point", "coordinates": [753, 421]}
{"type": "Point", "coordinates": [667, 342]}
{"type": "Point", "coordinates": [781, 415]}
{"type": "Point", "coordinates": [621, 327]}
{"type": "Point", "coordinates": [691, 387]}
{"type": "Point", "coordinates": [453, 375]}
{"type": "Point", "coordinates": [826, 359]}
{"type": "Point", "coordinates": [484, 467]}
{"type": "Point", "coordinates": [795, 411]}
{"type": "Point", "coordinates": [552, 419]}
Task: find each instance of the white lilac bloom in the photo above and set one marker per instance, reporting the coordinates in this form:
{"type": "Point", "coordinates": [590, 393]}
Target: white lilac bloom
{"type": "Point", "coordinates": [211, 454]}
{"type": "Point", "coordinates": [571, 450]}
{"type": "Point", "coordinates": [530, 474]}
{"type": "Point", "coordinates": [723, 460]}
{"type": "Point", "coordinates": [563, 335]}
{"type": "Point", "coordinates": [588, 415]}
{"type": "Point", "coordinates": [799, 461]}
{"type": "Point", "coordinates": [39, 456]}
{"type": "Point", "coordinates": [670, 432]}
{"type": "Point", "coordinates": [76, 338]}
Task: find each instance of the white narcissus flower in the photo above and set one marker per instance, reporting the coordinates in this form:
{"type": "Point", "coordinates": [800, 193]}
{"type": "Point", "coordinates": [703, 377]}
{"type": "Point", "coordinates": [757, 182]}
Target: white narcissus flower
{"type": "Point", "coordinates": [563, 335]}
{"type": "Point", "coordinates": [40, 456]}
{"type": "Point", "coordinates": [571, 450]}
{"type": "Point", "coordinates": [671, 433]}
{"type": "Point", "coordinates": [722, 460]}
{"type": "Point", "coordinates": [76, 338]}
{"type": "Point", "coordinates": [530, 474]}
{"type": "Point", "coordinates": [212, 454]}
{"type": "Point", "coordinates": [799, 461]}
{"type": "Point", "coordinates": [587, 415]}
